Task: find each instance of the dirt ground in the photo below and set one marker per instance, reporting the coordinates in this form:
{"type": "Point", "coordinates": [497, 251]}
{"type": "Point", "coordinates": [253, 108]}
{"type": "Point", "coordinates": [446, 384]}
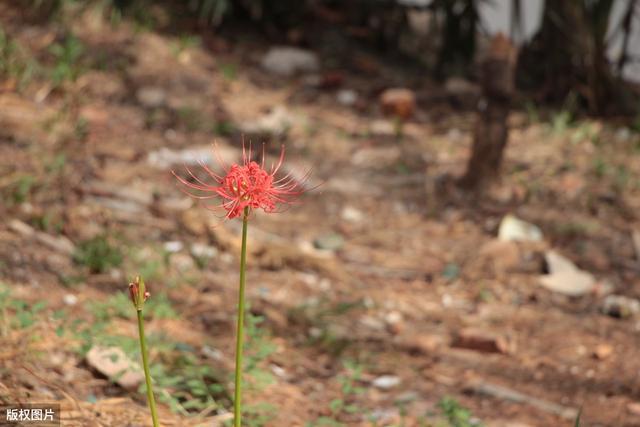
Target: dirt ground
{"type": "Point", "coordinates": [368, 288]}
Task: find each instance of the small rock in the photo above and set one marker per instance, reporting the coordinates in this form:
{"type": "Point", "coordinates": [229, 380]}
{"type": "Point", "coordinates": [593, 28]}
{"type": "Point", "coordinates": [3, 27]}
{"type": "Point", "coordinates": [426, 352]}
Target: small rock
{"type": "Point", "coordinates": [394, 321]}
{"type": "Point", "coordinates": [70, 299]}
{"type": "Point", "coordinates": [565, 277]}
{"type": "Point", "coordinates": [347, 97]}
{"type": "Point", "coordinates": [212, 353]}
{"type": "Point", "coordinates": [634, 408]}
{"type": "Point", "coordinates": [173, 246]}
{"type": "Point", "coordinates": [329, 242]}
{"type": "Point", "coordinates": [423, 343]}
{"type": "Point", "coordinates": [351, 214]}
{"type": "Point", "coordinates": [572, 283]}
{"type": "Point", "coordinates": [382, 128]}
{"type": "Point", "coordinates": [286, 61]}
{"type": "Point", "coordinates": [165, 157]}
{"type": "Point", "coordinates": [557, 263]}
{"type": "Point", "coordinates": [515, 229]}
{"type": "Point", "coordinates": [398, 102]}
{"type": "Point", "coordinates": [483, 341]}
{"type": "Point", "coordinates": [278, 371]}
{"type": "Point", "coordinates": [620, 306]}
{"type": "Point", "coordinates": [181, 262]}
{"type": "Point", "coordinates": [372, 323]}
{"type": "Point", "coordinates": [603, 351]}
{"type": "Point", "coordinates": [275, 124]}
{"type": "Point", "coordinates": [203, 251]}
{"type": "Point", "coordinates": [151, 96]}
{"type": "Point", "coordinates": [113, 363]}
{"type": "Point", "coordinates": [376, 156]}
{"type": "Point", "coordinates": [386, 382]}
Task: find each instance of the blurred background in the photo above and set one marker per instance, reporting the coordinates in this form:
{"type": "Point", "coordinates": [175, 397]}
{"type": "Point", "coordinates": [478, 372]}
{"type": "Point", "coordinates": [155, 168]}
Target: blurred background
{"type": "Point", "coordinates": [467, 252]}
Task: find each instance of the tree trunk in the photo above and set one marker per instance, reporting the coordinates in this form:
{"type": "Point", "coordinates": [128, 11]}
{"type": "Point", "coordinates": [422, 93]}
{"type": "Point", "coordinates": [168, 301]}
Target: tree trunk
{"type": "Point", "coordinates": [491, 132]}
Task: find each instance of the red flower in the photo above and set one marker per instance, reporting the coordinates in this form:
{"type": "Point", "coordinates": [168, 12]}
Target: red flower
{"type": "Point", "coordinates": [245, 185]}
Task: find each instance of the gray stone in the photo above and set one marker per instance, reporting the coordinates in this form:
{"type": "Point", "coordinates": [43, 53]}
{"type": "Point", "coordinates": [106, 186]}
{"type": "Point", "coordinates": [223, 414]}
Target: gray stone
{"type": "Point", "coordinates": [329, 242]}
{"type": "Point", "coordinates": [286, 61]}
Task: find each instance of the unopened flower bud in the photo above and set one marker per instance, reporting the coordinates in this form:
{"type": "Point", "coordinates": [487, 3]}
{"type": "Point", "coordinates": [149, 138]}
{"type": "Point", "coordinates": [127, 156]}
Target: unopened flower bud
{"type": "Point", "coordinates": [138, 293]}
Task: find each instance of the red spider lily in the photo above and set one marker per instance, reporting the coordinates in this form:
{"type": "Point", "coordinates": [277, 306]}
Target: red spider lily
{"type": "Point", "coordinates": [245, 185]}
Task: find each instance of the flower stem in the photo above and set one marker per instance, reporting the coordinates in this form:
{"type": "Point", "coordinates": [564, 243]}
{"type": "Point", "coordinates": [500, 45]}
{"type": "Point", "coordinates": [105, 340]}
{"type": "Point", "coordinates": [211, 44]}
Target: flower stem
{"type": "Point", "coordinates": [237, 404]}
{"type": "Point", "coordinates": [145, 365]}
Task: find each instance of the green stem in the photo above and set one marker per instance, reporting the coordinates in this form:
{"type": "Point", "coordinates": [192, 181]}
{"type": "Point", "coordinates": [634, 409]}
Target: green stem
{"type": "Point", "coordinates": [145, 365]}
{"type": "Point", "coordinates": [237, 404]}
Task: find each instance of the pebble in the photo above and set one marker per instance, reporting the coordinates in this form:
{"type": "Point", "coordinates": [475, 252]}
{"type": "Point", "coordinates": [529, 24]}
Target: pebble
{"type": "Point", "coordinates": [398, 102]}
{"type": "Point", "coordinates": [515, 229]}
{"type": "Point", "coordinates": [620, 306]}
{"type": "Point", "coordinates": [329, 242]}
{"type": "Point", "coordinates": [351, 214]}
{"type": "Point", "coordinates": [70, 299]}
{"type": "Point", "coordinates": [603, 351]}
{"type": "Point", "coordinates": [347, 97]}
{"type": "Point", "coordinates": [203, 251]}
{"type": "Point", "coordinates": [151, 96]}
{"type": "Point", "coordinates": [634, 408]}
{"type": "Point", "coordinates": [113, 363]}
{"type": "Point", "coordinates": [386, 382]}
{"type": "Point", "coordinates": [173, 246]}
{"type": "Point", "coordinates": [483, 341]}
{"type": "Point", "coordinates": [286, 61]}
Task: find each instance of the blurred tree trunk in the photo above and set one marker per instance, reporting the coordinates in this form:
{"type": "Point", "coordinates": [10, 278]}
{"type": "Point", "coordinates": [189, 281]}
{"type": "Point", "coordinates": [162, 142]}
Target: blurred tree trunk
{"type": "Point", "coordinates": [569, 54]}
{"type": "Point", "coordinates": [491, 132]}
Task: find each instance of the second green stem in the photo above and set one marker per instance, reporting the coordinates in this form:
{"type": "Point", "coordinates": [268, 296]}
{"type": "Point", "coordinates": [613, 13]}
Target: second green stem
{"type": "Point", "coordinates": [237, 404]}
{"type": "Point", "coordinates": [145, 366]}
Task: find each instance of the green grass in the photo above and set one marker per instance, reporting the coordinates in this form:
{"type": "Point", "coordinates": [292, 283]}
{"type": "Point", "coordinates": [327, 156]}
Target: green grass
{"type": "Point", "coordinates": [17, 313]}
{"type": "Point", "coordinates": [456, 415]}
{"type": "Point", "coordinates": [22, 188]}
{"type": "Point", "coordinates": [67, 55]}
{"type": "Point", "coordinates": [98, 254]}
{"type": "Point", "coordinates": [183, 379]}
{"type": "Point", "coordinates": [16, 62]}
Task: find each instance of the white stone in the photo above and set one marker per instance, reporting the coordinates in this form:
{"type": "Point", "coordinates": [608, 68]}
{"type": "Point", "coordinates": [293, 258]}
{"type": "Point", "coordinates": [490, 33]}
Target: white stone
{"type": "Point", "coordinates": [515, 229]}
{"type": "Point", "coordinates": [386, 382]}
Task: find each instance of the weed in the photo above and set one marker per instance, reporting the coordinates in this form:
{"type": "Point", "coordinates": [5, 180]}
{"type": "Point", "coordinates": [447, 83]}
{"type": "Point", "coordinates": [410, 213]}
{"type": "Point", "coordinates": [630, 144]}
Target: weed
{"type": "Point", "coordinates": [98, 254]}
{"type": "Point", "coordinates": [184, 42]}
{"type": "Point", "coordinates": [224, 128]}
{"type": "Point", "coordinates": [345, 404]}
{"type": "Point", "coordinates": [17, 313]}
{"type": "Point", "coordinates": [57, 165]}
{"type": "Point", "coordinates": [15, 62]}
{"type": "Point", "coordinates": [48, 222]}
{"type": "Point", "coordinates": [190, 118]}
{"type": "Point", "coordinates": [229, 71]}
{"type": "Point", "coordinates": [81, 129]}
{"type": "Point", "coordinates": [258, 348]}
{"type": "Point", "coordinates": [320, 317]}
{"type": "Point", "coordinates": [561, 121]}
{"type": "Point", "coordinates": [185, 382]}
{"type": "Point", "coordinates": [66, 56]}
{"type": "Point", "coordinates": [22, 189]}
{"type": "Point", "coordinates": [456, 415]}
